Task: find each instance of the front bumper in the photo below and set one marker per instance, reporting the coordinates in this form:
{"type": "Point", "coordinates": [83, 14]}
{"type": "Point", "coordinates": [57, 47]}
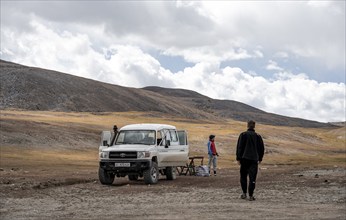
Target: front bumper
{"type": "Point", "coordinates": [136, 166]}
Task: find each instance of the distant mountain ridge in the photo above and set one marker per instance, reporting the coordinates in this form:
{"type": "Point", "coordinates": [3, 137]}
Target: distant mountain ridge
{"type": "Point", "coordinates": [31, 88]}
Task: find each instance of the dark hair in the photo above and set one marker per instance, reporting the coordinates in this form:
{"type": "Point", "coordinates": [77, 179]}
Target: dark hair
{"type": "Point", "coordinates": [211, 136]}
{"type": "Point", "coordinates": [251, 124]}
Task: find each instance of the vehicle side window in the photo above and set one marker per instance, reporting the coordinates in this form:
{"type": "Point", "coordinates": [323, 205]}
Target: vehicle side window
{"type": "Point", "coordinates": [165, 136]}
{"type": "Point", "coordinates": [182, 137]}
{"type": "Point", "coordinates": [173, 135]}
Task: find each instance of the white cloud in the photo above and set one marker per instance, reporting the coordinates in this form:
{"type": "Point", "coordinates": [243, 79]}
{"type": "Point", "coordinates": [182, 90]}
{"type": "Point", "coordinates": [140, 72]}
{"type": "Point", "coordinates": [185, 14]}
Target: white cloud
{"type": "Point", "coordinates": [287, 26]}
{"type": "Point", "coordinates": [130, 66]}
{"type": "Point", "coordinates": [74, 53]}
{"type": "Point", "coordinates": [272, 65]}
{"type": "Point", "coordinates": [281, 54]}
{"type": "Point", "coordinates": [286, 94]}
{"type": "Point", "coordinates": [221, 30]}
{"type": "Point", "coordinates": [215, 53]}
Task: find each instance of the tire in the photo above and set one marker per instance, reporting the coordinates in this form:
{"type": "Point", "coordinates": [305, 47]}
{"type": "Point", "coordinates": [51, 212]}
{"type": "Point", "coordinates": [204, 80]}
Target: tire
{"type": "Point", "coordinates": [133, 177]}
{"type": "Point", "coordinates": [151, 175]}
{"type": "Point", "coordinates": [105, 177]}
{"type": "Point", "coordinates": [170, 173]}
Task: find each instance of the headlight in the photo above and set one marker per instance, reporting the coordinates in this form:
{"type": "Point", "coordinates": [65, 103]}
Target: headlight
{"type": "Point", "coordinates": [104, 154]}
{"type": "Point", "coordinates": [143, 154]}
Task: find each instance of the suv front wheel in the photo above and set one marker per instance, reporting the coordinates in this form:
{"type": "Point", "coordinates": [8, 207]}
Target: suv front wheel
{"type": "Point", "coordinates": [105, 177]}
{"type": "Point", "coordinates": [151, 175]}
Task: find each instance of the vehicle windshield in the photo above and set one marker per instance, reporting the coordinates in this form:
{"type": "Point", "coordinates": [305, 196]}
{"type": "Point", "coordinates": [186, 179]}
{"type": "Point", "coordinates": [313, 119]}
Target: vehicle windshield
{"type": "Point", "coordinates": [146, 137]}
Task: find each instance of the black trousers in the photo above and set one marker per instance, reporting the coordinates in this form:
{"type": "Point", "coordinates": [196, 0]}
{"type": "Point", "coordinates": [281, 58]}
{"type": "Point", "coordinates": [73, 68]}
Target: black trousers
{"type": "Point", "coordinates": [248, 168]}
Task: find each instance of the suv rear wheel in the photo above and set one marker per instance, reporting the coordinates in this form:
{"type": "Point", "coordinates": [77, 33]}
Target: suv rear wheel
{"type": "Point", "coordinates": [170, 173]}
{"type": "Point", "coordinates": [151, 175]}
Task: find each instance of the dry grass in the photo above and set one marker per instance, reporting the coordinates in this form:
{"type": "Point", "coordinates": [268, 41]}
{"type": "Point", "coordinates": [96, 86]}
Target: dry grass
{"type": "Point", "coordinates": [31, 159]}
{"type": "Point", "coordinates": [285, 145]}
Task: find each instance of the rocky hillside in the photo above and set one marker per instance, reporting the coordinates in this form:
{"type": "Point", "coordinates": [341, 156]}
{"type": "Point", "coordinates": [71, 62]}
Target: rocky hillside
{"type": "Point", "coordinates": [31, 88]}
{"type": "Point", "coordinates": [39, 89]}
{"type": "Point", "coordinates": [232, 109]}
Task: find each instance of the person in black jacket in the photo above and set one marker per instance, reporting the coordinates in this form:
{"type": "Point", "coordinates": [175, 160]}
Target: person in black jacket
{"type": "Point", "coordinates": [114, 135]}
{"type": "Point", "coordinates": [250, 151]}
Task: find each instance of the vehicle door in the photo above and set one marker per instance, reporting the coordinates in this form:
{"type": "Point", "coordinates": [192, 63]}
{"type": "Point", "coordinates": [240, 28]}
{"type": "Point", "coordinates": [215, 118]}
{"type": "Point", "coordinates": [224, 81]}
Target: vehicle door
{"type": "Point", "coordinates": [183, 144]}
{"type": "Point", "coordinates": [171, 152]}
{"type": "Point", "coordinates": [162, 147]}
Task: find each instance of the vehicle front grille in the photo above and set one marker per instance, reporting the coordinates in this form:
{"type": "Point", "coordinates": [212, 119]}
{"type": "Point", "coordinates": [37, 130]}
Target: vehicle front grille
{"type": "Point", "coordinates": [122, 155]}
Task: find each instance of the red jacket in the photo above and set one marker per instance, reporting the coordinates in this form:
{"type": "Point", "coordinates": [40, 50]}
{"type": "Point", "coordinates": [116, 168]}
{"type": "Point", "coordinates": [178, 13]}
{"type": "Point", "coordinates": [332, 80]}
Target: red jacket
{"type": "Point", "coordinates": [212, 148]}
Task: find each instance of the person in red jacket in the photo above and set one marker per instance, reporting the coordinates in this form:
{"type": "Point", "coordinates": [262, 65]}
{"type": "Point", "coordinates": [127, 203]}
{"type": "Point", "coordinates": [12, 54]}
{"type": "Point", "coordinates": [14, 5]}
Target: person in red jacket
{"type": "Point", "coordinates": [250, 151]}
{"type": "Point", "coordinates": [212, 153]}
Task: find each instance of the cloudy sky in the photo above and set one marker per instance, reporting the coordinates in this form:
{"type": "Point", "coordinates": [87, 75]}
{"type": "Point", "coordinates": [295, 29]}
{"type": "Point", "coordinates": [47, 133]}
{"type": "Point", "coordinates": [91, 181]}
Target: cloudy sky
{"type": "Point", "coordinates": [283, 57]}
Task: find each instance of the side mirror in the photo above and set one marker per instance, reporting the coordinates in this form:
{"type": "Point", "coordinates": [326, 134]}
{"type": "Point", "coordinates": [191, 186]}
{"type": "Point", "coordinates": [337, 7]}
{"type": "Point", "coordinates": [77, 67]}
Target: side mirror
{"type": "Point", "coordinates": [105, 143]}
{"type": "Point", "coordinates": [168, 143]}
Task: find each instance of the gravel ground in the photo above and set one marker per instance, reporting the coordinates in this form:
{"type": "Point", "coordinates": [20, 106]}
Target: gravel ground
{"type": "Point", "coordinates": [282, 193]}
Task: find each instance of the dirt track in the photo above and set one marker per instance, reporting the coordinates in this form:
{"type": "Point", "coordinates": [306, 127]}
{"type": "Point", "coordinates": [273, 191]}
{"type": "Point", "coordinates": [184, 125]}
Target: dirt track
{"type": "Point", "coordinates": [282, 193]}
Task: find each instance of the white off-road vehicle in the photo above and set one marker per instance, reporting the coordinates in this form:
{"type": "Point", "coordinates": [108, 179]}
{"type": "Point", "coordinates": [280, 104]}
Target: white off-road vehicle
{"type": "Point", "coordinates": [142, 150]}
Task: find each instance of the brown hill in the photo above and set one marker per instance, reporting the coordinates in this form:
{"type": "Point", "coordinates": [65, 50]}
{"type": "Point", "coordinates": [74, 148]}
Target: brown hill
{"type": "Point", "coordinates": [32, 88]}
{"type": "Point", "coordinates": [39, 89]}
{"type": "Point", "coordinates": [233, 109]}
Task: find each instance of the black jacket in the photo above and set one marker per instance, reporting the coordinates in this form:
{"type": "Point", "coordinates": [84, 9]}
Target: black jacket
{"type": "Point", "coordinates": [250, 146]}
